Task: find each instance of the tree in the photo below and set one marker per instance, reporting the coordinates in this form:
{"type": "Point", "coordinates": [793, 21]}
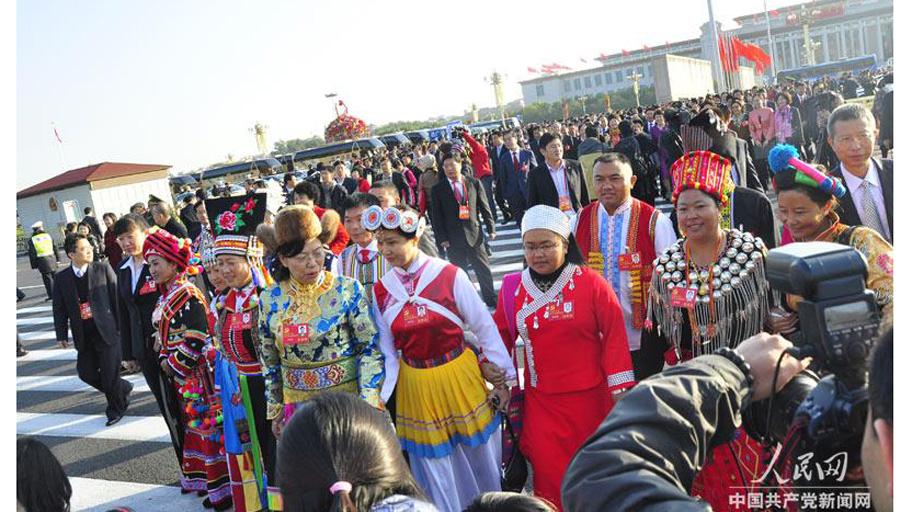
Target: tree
{"type": "Point", "coordinates": [283, 147]}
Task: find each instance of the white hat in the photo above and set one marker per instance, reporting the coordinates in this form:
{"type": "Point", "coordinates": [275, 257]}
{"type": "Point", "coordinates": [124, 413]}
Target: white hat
{"type": "Point", "coordinates": [546, 217]}
{"type": "Point", "coordinates": [38, 225]}
{"type": "Point", "coordinates": [426, 162]}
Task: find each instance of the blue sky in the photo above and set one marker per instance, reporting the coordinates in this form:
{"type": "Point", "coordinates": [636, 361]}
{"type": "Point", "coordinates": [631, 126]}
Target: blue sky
{"type": "Point", "coordinates": [181, 83]}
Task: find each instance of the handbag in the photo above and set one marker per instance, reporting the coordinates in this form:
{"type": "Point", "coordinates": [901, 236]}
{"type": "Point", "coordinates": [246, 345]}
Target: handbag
{"type": "Point", "coordinates": [515, 470]}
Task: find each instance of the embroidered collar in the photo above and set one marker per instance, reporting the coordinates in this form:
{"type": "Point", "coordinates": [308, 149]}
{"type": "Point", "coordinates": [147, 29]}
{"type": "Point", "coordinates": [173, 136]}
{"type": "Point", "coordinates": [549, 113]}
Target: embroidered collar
{"type": "Point", "coordinates": [622, 209]}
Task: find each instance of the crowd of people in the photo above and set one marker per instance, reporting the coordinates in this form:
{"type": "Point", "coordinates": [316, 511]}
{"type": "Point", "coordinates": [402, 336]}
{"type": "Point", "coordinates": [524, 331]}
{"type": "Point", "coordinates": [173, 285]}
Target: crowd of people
{"type": "Point", "coordinates": [307, 342]}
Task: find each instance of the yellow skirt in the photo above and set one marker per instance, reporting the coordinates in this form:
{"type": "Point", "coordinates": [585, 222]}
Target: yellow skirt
{"type": "Point", "coordinates": [439, 407]}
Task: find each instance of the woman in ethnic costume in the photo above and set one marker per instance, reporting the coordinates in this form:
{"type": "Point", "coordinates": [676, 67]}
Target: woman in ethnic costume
{"type": "Point", "coordinates": [183, 328]}
{"type": "Point", "coordinates": [316, 331]}
{"type": "Point", "coordinates": [708, 291]}
{"type": "Point", "coordinates": [443, 416]}
{"type": "Point", "coordinates": [576, 351]}
{"type": "Point", "coordinates": [239, 256]}
{"type": "Point", "coordinates": [807, 197]}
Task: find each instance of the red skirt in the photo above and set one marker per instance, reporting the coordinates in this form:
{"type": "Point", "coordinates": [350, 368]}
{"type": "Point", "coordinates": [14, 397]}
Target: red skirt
{"type": "Point", "coordinates": [204, 467]}
{"type": "Point", "coordinates": [554, 428]}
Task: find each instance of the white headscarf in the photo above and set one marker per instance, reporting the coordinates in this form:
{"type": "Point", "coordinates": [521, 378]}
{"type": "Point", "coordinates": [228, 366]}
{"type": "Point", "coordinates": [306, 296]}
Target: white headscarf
{"type": "Point", "coordinates": [547, 217]}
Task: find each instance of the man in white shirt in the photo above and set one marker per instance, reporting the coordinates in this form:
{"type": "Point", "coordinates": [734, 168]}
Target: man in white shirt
{"type": "Point", "coordinates": [622, 256]}
{"type": "Point", "coordinates": [869, 202]}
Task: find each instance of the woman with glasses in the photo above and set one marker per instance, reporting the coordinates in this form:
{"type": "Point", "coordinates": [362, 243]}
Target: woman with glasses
{"type": "Point", "coordinates": [443, 416]}
{"type": "Point", "coordinates": [316, 332]}
{"type": "Point", "coordinates": [576, 353]}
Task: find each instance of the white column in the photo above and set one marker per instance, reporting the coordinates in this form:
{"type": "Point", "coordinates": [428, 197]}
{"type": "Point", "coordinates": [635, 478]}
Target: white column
{"type": "Point", "coordinates": [824, 40]}
{"type": "Point", "coordinates": [842, 40]}
{"type": "Point", "coordinates": [880, 48]}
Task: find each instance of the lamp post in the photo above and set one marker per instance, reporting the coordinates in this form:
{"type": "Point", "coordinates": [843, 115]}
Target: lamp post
{"type": "Point", "coordinates": [496, 80]}
{"type": "Point", "coordinates": [583, 102]}
{"type": "Point", "coordinates": [635, 78]}
{"type": "Point", "coordinates": [805, 17]}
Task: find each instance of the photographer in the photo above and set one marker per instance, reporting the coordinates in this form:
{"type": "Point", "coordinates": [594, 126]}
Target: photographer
{"type": "Point", "coordinates": [646, 453]}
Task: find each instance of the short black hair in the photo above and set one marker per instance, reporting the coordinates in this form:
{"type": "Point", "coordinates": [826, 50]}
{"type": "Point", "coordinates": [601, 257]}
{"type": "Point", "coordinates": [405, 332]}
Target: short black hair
{"type": "Point", "coordinates": [359, 199]}
{"type": "Point", "coordinates": [610, 158]}
{"type": "Point", "coordinates": [128, 223]}
{"type": "Point", "coordinates": [69, 243]}
{"type": "Point", "coordinates": [546, 139]}
{"type": "Point", "coordinates": [880, 379]}
{"type": "Point", "coordinates": [509, 501]}
{"type": "Point", "coordinates": [591, 131]}
{"type": "Point", "coordinates": [87, 210]}
{"type": "Point", "coordinates": [307, 189]}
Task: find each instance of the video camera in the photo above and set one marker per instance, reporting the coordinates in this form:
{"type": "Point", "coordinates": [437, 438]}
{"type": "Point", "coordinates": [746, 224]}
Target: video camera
{"type": "Point", "coordinates": [839, 321]}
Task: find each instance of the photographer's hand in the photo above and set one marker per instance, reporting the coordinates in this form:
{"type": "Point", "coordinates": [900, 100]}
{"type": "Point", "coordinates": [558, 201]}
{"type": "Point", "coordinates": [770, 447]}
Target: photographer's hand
{"type": "Point", "coordinates": [762, 352]}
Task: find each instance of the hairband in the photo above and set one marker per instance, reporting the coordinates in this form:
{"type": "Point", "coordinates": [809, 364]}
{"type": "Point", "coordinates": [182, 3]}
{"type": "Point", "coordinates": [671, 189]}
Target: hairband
{"type": "Point", "coordinates": [392, 218]}
{"type": "Point", "coordinates": [783, 156]}
{"type": "Point", "coordinates": [340, 486]}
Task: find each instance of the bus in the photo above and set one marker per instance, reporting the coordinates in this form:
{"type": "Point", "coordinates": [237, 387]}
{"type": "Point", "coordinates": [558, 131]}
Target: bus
{"type": "Point", "coordinates": [834, 68]}
{"type": "Point", "coordinates": [395, 140]}
{"type": "Point", "coordinates": [334, 151]}
{"type": "Point", "coordinates": [237, 172]}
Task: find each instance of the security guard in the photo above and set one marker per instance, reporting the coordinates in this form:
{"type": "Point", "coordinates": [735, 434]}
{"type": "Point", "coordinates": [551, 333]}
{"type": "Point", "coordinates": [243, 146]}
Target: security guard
{"type": "Point", "coordinates": [42, 253]}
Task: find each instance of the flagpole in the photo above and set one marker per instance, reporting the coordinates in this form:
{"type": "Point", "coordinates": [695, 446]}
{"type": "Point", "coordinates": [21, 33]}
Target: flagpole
{"type": "Point", "coordinates": [716, 60]}
{"type": "Point", "coordinates": [769, 38]}
{"type": "Point", "coordinates": [63, 162]}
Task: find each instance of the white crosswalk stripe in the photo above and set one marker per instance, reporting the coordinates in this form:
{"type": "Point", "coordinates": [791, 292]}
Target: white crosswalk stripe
{"type": "Point", "coordinates": [92, 426]}
{"type": "Point", "coordinates": [70, 383]}
{"type": "Point", "coordinates": [94, 495]}
{"type": "Point", "coordinates": [61, 354]}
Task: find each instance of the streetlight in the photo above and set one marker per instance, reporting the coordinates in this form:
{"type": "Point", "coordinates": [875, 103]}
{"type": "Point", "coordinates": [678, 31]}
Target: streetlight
{"type": "Point", "coordinates": [635, 78]}
{"type": "Point", "coordinates": [805, 18]}
{"type": "Point", "coordinates": [583, 102]}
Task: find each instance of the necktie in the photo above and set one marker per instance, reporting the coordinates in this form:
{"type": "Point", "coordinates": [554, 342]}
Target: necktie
{"type": "Point", "coordinates": [515, 162]}
{"type": "Point", "coordinates": [869, 216]}
{"type": "Point", "coordinates": [364, 256]}
{"type": "Point", "coordinates": [457, 190]}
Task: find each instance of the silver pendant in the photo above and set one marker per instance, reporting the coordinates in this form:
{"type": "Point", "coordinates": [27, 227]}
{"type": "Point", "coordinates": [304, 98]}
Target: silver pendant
{"type": "Point", "coordinates": [535, 322]}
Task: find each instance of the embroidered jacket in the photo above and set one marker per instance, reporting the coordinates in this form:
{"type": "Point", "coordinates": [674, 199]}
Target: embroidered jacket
{"type": "Point", "coordinates": [183, 323]}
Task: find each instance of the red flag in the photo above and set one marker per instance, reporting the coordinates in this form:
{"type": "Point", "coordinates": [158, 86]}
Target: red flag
{"type": "Point", "coordinates": [723, 54]}
{"type": "Point", "coordinates": [56, 134]}
{"type": "Point", "coordinates": [532, 70]}
{"type": "Point", "coordinates": [774, 13]}
{"type": "Point", "coordinates": [625, 53]}
{"type": "Point", "coordinates": [756, 55]}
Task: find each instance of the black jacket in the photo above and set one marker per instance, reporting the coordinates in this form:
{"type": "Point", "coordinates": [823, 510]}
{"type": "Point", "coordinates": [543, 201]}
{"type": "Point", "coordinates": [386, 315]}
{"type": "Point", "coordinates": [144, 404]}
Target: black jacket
{"type": "Point", "coordinates": [542, 189]}
{"type": "Point", "coordinates": [93, 225]}
{"type": "Point", "coordinates": [849, 214]}
{"type": "Point", "coordinates": [334, 199]}
{"type": "Point", "coordinates": [102, 288]}
{"type": "Point", "coordinates": [445, 217]}
{"type": "Point", "coordinates": [747, 172]}
{"type": "Point", "coordinates": [177, 229]}
{"type": "Point", "coordinates": [646, 453]}
{"type": "Point", "coordinates": [135, 311]}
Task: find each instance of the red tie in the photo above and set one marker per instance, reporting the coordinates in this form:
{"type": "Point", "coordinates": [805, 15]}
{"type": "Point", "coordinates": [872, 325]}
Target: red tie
{"type": "Point", "coordinates": [364, 256]}
{"type": "Point", "coordinates": [515, 162]}
{"type": "Point", "coordinates": [457, 190]}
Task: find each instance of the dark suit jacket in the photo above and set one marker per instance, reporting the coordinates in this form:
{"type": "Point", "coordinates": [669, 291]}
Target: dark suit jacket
{"type": "Point", "coordinates": [543, 191]}
{"type": "Point", "coordinates": [747, 172]}
{"type": "Point", "coordinates": [102, 288]}
{"type": "Point", "coordinates": [849, 214]}
{"type": "Point", "coordinates": [445, 218]}
{"type": "Point", "coordinates": [135, 312]}
{"type": "Point", "coordinates": [350, 185]}
{"type": "Point", "coordinates": [515, 183]}
{"type": "Point", "coordinates": [93, 225]}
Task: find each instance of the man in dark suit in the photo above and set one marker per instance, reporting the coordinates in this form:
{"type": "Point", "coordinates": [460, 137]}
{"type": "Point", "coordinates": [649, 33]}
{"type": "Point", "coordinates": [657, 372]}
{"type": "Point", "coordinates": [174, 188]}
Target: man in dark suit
{"type": "Point", "coordinates": [495, 151]}
{"type": "Point", "coordinates": [869, 183]}
{"type": "Point", "coordinates": [557, 182]}
{"type": "Point", "coordinates": [515, 164]}
{"type": "Point", "coordinates": [92, 222]}
{"type": "Point", "coordinates": [457, 202]}
{"type": "Point", "coordinates": [137, 296]}
{"type": "Point", "coordinates": [85, 297]}
{"type": "Point", "coordinates": [342, 178]}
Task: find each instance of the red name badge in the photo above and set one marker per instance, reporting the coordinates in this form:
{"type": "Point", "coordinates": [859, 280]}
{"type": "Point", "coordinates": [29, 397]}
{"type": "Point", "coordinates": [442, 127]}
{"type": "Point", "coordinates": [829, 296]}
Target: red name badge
{"type": "Point", "coordinates": [683, 298]}
{"type": "Point", "coordinates": [241, 321]}
{"type": "Point", "coordinates": [85, 310]}
{"type": "Point", "coordinates": [565, 203]}
{"type": "Point", "coordinates": [463, 212]}
{"type": "Point", "coordinates": [295, 334]}
{"type": "Point", "coordinates": [148, 287]}
{"type": "Point", "coordinates": [414, 315]}
{"type": "Point", "coordinates": [629, 262]}
{"type": "Point", "coordinates": [562, 311]}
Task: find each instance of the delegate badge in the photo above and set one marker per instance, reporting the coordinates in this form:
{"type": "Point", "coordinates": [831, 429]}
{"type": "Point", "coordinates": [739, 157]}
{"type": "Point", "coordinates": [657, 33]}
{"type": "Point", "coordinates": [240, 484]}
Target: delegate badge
{"type": "Point", "coordinates": [565, 204]}
{"type": "Point", "coordinates": [241, 321]}
{"type": "Point", "coordinates": [295, 334]}
{"type": "Point", "coordinates": [85, 311]}
{"type": "Point", "coordinates": [148, 287]}
{"type": "Point", "coordinates": [629, 262]}
{"type": "Point", "coordinates": [414, 314]}
{"type": "Point", "coordinates": [683, 298]}
{"type": "Point", "coordinates": [463, 212]}
{"type": "Point", "coordinates": [563, 311]}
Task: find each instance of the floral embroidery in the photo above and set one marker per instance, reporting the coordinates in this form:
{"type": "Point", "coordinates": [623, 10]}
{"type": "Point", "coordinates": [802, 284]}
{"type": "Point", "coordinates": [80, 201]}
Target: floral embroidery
{"type": "Point", "coordinates": [885, 262]}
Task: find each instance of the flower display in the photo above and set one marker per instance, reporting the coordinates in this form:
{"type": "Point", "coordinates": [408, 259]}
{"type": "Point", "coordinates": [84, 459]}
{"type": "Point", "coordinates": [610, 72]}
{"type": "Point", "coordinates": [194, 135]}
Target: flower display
{"type": "Point", "coordinates": [345, 127]}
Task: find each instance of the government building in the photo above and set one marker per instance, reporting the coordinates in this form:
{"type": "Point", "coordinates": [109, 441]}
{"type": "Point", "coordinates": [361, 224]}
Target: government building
{"type": "Point", "coordinates": [838, 30]}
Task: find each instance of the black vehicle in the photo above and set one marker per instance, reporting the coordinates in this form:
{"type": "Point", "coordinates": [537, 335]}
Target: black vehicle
{"type": "Point", "coordinates": [395, 140]}
{"type": "Point", "coordinates": [335, 150]}
{"type": "Point", "coordinates": [418, 136]}
{"type": "Point", "coordinates": [238, 171]}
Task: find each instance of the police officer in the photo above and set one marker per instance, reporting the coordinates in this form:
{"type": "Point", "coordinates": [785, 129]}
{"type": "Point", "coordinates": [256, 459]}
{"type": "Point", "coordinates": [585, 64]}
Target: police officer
{"type": "Point", "coordinates": [42, 253]}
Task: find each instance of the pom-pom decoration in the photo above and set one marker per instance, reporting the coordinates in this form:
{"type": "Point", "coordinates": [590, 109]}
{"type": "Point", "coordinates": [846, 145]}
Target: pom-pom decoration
{"type": "Point", "coordinates": [784, 156]}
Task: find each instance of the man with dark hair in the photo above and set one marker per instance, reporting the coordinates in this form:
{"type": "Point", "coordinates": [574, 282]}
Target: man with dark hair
{"type": "Point", "coordinates": [877, 445]}
{"type": "Point", "coordinates": [457, 205]}
{"type": "Point", "coordinates": [85, 298]}
{"type": "Point", "coordinates": [162, 216]}
{"type": "Point", "coordinates": [388, 195]}
{"type": "Point", "coordinates": [361, 260]}
{"type": "Point", "coordinates": [331, 193]}
{"type": "Point", "coordinates": [306, 194]}
{"type": "Point", "coordinates": [557, 182]}
{"type": "Point", "coordinates": [92, 222]}
{"type": "Point", "coordinates": [515, 164]}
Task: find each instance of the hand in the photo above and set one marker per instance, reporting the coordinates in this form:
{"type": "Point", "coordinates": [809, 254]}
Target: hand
{"type": "Point", "coordinates": [64, 343]}
{"type": "Point", "coordinates": [156, 343]}
{"type": "Point", "coordinates": [492, 236]}
{"type": "Point", "coordinates": [278, 425]}
{"type": "Point", "coordinates": [166, 368]}
{"type": "Point", "coordinates": [762, 352]}
{"type": "Point", "coordinates": [500, 399]}
{"type": "Point", "coordinates": [445, 245]}
{"type": "Point", "coordinates": [493, 374]}
{"type": "Point", "coordinates": [782, 321]}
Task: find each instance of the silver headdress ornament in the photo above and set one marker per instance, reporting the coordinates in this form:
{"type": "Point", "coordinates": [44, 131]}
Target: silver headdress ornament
{"type": "Point", "coordinates": [409, 222]}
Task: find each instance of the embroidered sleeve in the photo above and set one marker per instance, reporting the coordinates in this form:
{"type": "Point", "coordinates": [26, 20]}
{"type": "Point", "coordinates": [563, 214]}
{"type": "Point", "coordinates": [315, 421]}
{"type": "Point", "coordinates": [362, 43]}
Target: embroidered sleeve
{"type": "Point", "coordinates": [366, 339]}
{"type": "Point", "coordinates": [388, 347]}
{"type": "Point", "coordinates": [194, 337]}
{"type": "Point", "coordinates": [616, 362]}
{"type": "Point", "coordinates": [269, 353]}
{"type": "Point", "coordinates": [879, 255]}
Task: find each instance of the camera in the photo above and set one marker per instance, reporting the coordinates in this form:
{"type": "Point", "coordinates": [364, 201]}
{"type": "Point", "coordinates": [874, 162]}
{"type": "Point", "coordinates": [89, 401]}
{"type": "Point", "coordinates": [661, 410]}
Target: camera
{"type": "Point", "coordinates": [839, 321]}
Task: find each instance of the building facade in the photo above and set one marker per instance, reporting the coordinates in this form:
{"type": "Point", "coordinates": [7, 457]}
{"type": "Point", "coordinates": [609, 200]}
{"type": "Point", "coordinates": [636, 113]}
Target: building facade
{"type": "Point", "coordinates": [839, 30]}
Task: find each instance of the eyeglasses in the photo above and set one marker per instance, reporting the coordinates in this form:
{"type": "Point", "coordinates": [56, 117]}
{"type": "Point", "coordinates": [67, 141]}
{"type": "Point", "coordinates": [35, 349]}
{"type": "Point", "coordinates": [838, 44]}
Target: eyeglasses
{"type": "Point", "coordinates": [545, 247]}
